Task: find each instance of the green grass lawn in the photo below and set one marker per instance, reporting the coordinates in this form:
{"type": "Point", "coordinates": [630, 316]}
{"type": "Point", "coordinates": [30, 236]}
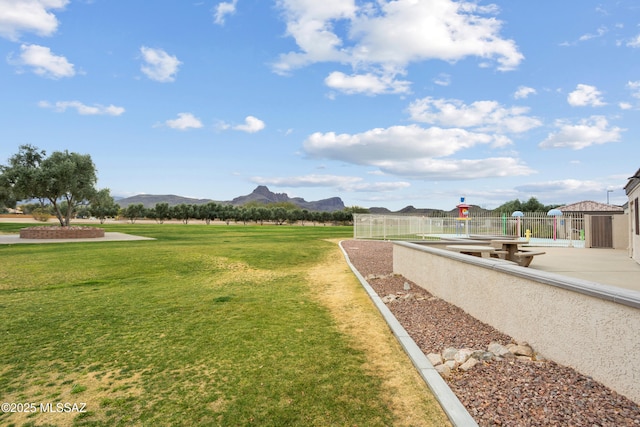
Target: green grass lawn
{"type": "Point", "coordinates": [207, 325]}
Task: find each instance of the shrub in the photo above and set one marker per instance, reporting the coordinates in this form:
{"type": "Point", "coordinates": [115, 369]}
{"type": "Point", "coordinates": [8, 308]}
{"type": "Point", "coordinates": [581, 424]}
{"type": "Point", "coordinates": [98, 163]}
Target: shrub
{"type": "Point", "coordinates": [41, 214]}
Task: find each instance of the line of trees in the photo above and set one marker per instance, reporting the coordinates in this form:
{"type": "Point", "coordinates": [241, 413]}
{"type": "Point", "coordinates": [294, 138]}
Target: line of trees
{"type": "Point", "coordinates": [276, 213]}
{"type": "Point", "coordinates": [103, 206]}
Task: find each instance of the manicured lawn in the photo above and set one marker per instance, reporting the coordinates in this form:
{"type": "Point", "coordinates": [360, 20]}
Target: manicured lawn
{"type": "Point", "coordinates": [206, 325]}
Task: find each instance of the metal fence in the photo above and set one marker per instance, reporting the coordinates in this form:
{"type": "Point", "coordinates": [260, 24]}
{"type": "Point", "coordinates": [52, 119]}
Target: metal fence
{"type": "Point", "coordinates": [538, 229]}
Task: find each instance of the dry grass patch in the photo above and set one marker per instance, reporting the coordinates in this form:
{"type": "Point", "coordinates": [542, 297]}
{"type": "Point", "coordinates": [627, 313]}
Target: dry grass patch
{"type": "Point", "coordinates": [405, 392]}
{"type": "Point", "coordinates": [85, 393]}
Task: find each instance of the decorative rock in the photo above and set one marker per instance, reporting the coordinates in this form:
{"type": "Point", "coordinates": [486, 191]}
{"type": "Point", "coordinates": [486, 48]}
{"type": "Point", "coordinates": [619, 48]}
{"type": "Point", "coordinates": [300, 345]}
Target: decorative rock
{"type": "Point", "coordinates": [466, 358]}
{"type": "Point", "coordinates": [444, 370]}
{"type": "Point", "coordinates": [408, 297]}
{"type": "Point", "coordinates": [389, 298]}
{"type": "Point", "coordinates": [449, 353]}
{"type": "Point", "coordinates": [482, 355]}
{"type": "Point", "coordinates": [522, 350]}
{"type": "Point", "coordinates": [498, 349]}
{"type": "Point", "coordinates": [462, 355]}
{"type": "Point", "coordinates": [435, 359]}
{"type": "Point", "coordinates": [451, 364]}
{"type": "Point", "coordinates": [470, 363]}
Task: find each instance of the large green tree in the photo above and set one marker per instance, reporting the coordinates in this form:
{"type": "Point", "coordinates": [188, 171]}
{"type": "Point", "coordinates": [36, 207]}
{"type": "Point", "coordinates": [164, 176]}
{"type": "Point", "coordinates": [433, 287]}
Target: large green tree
{"type": "Point", "coordinates": [64, 180]}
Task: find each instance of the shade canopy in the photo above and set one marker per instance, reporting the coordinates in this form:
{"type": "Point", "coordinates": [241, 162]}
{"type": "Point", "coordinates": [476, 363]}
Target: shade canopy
{"type": "Point", "coordinates": [555, 212]}
{"type": "Point", "coordinates": [517, 213]}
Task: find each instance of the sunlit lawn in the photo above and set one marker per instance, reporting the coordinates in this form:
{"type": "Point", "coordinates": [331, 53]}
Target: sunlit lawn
{"type": "Point", "coordinates": [207, 325]}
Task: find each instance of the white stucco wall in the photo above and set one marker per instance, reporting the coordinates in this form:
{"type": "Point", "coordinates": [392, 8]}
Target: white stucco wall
{"type": "Point", "coordinates": [634, 238]}
{"type": "Point", "coordinates": [566, 320]}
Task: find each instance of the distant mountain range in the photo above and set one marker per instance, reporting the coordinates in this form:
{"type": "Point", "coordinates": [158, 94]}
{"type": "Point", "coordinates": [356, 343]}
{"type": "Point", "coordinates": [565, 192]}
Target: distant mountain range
{"type": "Point", "coordinates": [410, 210]}
{"type": "Point", "coordinates": [261, 194]}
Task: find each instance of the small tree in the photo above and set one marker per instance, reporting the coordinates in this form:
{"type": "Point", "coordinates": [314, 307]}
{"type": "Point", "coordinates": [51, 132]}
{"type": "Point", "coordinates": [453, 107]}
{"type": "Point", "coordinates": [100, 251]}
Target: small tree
{"type": "Point", "coordinates": [183, 212]}
{"type": "Point", "coordinates": [207, 212]}
{"type": "Point", "coordinates": [103, 206]}
{"type": "Point", "coordinates": [133, 212]}
{"type": "Point", "coordinates": [162, 212]}
{"type": "Point", "coordinates": [64, 179]}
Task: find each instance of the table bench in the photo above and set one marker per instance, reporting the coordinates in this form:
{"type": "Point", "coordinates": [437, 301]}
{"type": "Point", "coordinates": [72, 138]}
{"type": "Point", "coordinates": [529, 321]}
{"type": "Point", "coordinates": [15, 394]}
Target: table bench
{"type": "Point", "coordinates": [475, 250]}
{"type": "Point", "coordinates": [524, 258]}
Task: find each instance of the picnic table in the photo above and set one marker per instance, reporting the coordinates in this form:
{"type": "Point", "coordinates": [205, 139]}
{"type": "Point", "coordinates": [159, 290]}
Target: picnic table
{"type": "Point", "coordinates": [513, 252]}
{"type": "Point", "coordinates": [509, 246]}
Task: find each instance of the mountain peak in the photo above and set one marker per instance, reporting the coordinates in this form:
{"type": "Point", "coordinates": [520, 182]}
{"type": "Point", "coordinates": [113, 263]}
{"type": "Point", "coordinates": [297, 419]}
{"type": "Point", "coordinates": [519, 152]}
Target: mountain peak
{"type": "Point", "coordinates": [262, 190]}
{"type": "Point", "coordinates": [262, 194]}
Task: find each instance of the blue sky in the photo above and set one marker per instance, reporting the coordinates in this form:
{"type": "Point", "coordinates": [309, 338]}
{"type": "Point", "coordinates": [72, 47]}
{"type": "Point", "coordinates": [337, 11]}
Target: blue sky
{"type": "Point", "coordinates": [383, 103]}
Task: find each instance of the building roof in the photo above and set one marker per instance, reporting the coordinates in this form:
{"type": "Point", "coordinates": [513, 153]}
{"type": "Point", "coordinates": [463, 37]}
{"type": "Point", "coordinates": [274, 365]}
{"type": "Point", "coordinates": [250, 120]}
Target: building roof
{"type": "Point", "coordinates": [634, 181]}
{"type": "Point", "coordinates": [590, 206]}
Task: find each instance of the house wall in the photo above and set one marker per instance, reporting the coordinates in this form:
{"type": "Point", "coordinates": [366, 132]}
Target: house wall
{"type": "Point", "coordinates": [573, 322]}
{"type": "Point", "coordinates": [634, 232]}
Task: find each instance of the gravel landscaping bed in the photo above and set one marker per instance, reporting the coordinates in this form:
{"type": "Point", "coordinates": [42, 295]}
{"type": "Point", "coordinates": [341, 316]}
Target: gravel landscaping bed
{"type": "Point", "coordinates": [509, 392]}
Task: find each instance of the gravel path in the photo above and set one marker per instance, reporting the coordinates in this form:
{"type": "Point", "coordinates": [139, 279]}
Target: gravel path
{"type": "Point", "coordinates": [496, 393]}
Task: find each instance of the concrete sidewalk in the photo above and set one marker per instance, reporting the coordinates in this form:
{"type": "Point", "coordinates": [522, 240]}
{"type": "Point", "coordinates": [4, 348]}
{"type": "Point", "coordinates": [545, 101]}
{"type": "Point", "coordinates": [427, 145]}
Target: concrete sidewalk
{"type": "Point", "coordinates": [14, 239]}
{"type": "Point", "coordinates": [606, 266]}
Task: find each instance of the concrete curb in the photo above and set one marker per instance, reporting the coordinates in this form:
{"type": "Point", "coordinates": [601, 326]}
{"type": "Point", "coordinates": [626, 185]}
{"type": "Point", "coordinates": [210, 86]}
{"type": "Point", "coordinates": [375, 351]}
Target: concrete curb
{"type": "Point", "coordinates": [456, 412]}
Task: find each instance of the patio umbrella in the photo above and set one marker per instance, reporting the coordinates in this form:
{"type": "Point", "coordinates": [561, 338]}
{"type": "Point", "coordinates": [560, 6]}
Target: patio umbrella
{"type": "Point", "coordinates": [518, 215]}
{"type": "Point", "coordinates": [555, 213]}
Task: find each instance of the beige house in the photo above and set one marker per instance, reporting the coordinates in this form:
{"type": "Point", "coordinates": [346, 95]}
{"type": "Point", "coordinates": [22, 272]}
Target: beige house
{"type": "Point", "coordinates": [633, 192]}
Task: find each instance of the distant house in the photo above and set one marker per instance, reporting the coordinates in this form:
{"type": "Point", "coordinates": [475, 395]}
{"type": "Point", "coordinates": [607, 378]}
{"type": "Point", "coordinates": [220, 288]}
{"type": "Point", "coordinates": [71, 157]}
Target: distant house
{"type": "Point", "coordinates": [633, 192]}
{"type": "Point", "coordinates": [589, 207]}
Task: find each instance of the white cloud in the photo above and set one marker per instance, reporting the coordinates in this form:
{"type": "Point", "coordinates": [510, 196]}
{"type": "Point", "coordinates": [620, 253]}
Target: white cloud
{"type": "Point", "coordinates": [599, 33]}
{"type": "Point", "coordinates": [368, 84]}
{"type": "Point", "coordinates": [592, 131]}
{"type": "Point", "coordinates": [310, 24]}
{"type": "Point", "coordinates": [43, 62]}
{"type": "Point", "coordinates": [483, 115]}
{"type": "Point", "coordinates": [454, 169]}
{"type": "Point", "coordinates": [413, 151]}
{"type": "Point", "coordinates": [28, 16]}
{"type": "Point", "coordinates": [396, 142]}
{"type": "Point", "coordinates": [634, 87]}
{"type": "Point", "coordinates": [524, 92]}
{"type": "Point", "coordinates": [184, 121]}
{"type": "Point", "coordinates": [344, 183]}
{"type": "Point", "coordinates": [625, 106]}
{"type": "Point", "coordinates": [159, 65]}
{"type": "Point", "coordinates": [565, 189]}
{"type": "Point", "coordinates": [585, 95]}
{"type": "Point", "coordinates": [407, 30]}
{"type": "Point", "coordinates": [251, 125]}
{"type": "Point", "coordinates": [385, 37]}
{"type": "Point", "coordinates": [635, 42]}
{"type": "Point", "coordinates": [223, 9]}
{"type": "Point", "coordinates": [82, 109]}
{"type": "Point", "coordinates": [442, 79]}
